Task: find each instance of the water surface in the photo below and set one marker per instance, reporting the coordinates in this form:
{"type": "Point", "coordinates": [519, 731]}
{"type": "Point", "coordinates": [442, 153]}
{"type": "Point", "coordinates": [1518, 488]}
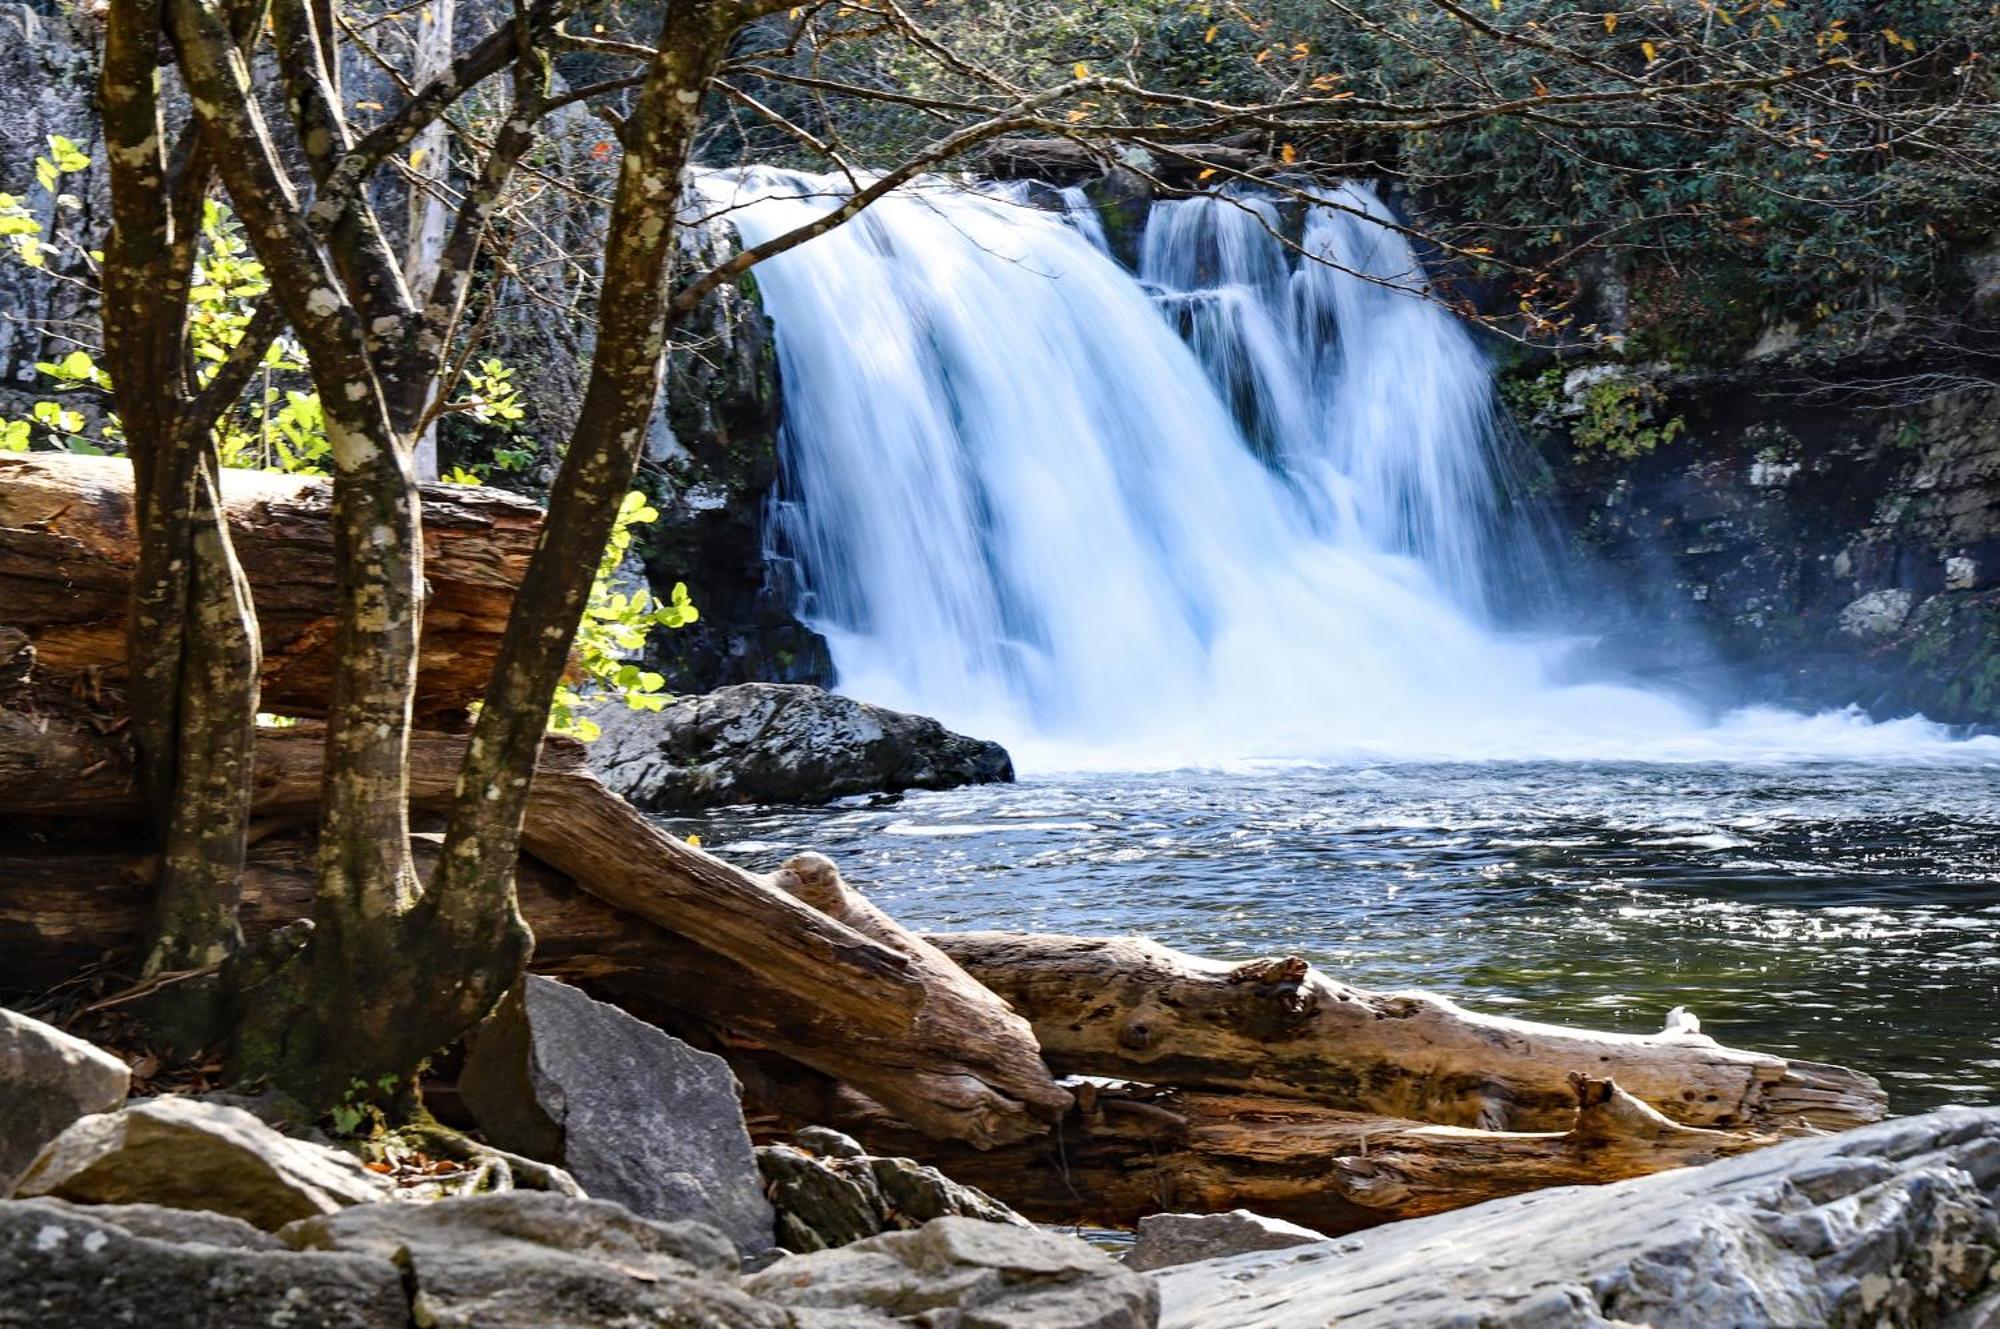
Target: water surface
{"type": "Point", "coordinates": [1843, 912]}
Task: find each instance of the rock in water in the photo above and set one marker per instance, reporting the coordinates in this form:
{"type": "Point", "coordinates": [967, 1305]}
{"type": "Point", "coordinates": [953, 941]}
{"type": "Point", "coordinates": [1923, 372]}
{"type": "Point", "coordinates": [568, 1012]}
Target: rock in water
{"type": "Point", "coordinates": [1170, 1239]}
{"type": "Point", "coordinates": [1888, 1226]}
{"type": "Point", "coordinates": [781, 743]}
{"type": "Point", "coordinates": [47, 1080]}
{"type": "Point", "coordinates": [960, 1271]}
{"type": "Point", "coordinates": [186, 1154]}
{"type": "Point", "coordinates": [634, 1114]}
{"type": "Point", "coordinates": [170, 1269]}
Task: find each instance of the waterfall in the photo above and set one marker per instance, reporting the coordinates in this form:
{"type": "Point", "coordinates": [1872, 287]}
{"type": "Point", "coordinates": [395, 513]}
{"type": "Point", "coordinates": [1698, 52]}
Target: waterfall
{"type": "Point", "coordinates": [1245, 505]}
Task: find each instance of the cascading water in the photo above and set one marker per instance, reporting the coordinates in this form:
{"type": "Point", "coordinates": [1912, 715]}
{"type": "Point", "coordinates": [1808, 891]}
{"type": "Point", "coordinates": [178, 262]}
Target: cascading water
{"type": "Point", "coordinates": [1241, 507]}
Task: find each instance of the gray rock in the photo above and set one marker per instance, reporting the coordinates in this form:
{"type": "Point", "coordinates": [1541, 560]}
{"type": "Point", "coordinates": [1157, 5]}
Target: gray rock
{"type": "Point", "coordinates": [1170, 1239]}
{"type": "Point", "coordinates": [828, 1197]}
{"type": "Point", "coordinates": [184, 1154]}
{"type": "Point", "coordinates": [530, 1260]}
{"type": "Point", "coordinates": [47, 1080]}
{"type": "Point", "coordinates": [967, 1274]}
{"type": "Point", "coordinates": [635, 1115]}
{"type": "Point", "coordinates": [127, 1265]}
{"type": "Point", "coordinates": [1877, 614]}
{"type": "Point", "coordinates": [781, 743]}
{"type": "Point", "coordinates": [1887, 1226]}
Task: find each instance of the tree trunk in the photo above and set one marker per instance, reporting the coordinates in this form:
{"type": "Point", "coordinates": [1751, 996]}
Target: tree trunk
{"type": "Point", "coordinates": [471, 884]}
{"type": "Point", "coordinates": [430, 158]}
{"type": "Point", "coordinates": [68, 548]}
{"type": "Point", "coordinates": [1133, 1009]}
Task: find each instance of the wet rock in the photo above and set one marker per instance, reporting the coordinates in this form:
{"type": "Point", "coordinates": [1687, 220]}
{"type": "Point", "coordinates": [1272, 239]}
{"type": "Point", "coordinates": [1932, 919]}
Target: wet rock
{"type": "Point", "coordinates": [635, 1115]}
{"type": "Point", "coordinates": [170, 1269]}
{"type": "Point", "coordinates": [965, 1273]}
{"type": "Point", "coordinates": [827, 1196]}
{"type": "Point", "coordinates": [1877, 614]}
{"type": "Point", "coordinates": [782, 743]}
{"type": "Point", "coordinates": [714, 449]}
{"type": "Point", "coordinates": [47, 1080]}
{"type": "Point", "coordinates": [528, 1260]}
{"type": "Point", "coordinates": [184, 1154]}
{"type": "Point", "coordinates": [1170, 1239]}
{"type": "Point", "coordinates": [1890, 1225]}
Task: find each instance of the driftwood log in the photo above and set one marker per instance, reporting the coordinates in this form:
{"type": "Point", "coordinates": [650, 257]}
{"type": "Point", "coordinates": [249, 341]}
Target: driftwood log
{"type": "Point", "coordinates": [879, 1010]}
{"type": "Point", "coordinates": [1135, 1010]}
{"type": "Point", "coordinates": [67, 550]}
{"type": "Point", "coordinates": [1119, 1153]}
{"type": "Point", "coordinates": [1267, 1085]}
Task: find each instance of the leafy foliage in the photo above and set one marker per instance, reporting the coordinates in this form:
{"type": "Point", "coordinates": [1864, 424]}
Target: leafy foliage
{"type": "Point", "coordinates": [614, 628]}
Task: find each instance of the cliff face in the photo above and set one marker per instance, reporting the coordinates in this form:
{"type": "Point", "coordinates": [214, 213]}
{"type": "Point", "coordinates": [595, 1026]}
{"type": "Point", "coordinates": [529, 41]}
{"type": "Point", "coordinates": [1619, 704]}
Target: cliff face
{"type": "Point", "coordinates": [1811, 554]}
{"type": "Point", "coordinates": [712, 470]}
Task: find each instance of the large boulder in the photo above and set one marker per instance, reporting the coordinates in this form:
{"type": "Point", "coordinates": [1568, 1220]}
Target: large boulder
{"type": "Point", "coordinates": [1169, 1239]}
{"type": "Point", "coordinates": [170, 1269]}
{"type": "Point", "coordinates": [528, 1260]}
{"type": "Point", "coordinates": [185, 1154]}
{"type": "Point", "coordinates": [1887, 1226]}
{"type": "Point", "coordinates": [828, 1192]}
{"type": "Point", "coordinates": [47, 1080]}
{"type": "Point", "coordinates": [635, 1115]}
{"type": "Point", "coordinates": [782, 743]}
{"type": "Point", "coordinates": [968, 1274]}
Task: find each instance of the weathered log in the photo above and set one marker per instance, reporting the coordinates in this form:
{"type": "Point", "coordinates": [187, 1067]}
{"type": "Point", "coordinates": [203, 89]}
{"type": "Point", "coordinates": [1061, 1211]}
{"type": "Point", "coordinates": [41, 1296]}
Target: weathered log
{"type": "Point", "coordinates": [1123, 1151]}
{"type": "Point", "coordinates": [67, 548]}
{"type": "Point", "coordinates": [880, 1011]}
{"type": "Point", "coordinates": [1133, 1150]}
{"type": "Point", "coordinates": [1131, 1009]}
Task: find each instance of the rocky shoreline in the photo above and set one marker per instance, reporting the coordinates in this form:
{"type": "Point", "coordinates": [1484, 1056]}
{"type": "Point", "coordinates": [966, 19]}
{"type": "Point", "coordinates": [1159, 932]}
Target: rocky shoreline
{"type": "Point", "coordinates": [642, 1202]}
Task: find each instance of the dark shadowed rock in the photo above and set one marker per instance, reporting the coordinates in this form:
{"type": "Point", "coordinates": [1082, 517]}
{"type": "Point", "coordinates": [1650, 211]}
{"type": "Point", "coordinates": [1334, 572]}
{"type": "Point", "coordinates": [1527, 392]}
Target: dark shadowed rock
{"type": "Point", "coordinates": [47, 1080]}
{"type": "Point", "coordinates": [829, 1193]}
{"type": "Point", "coordinates": [635, 1115]}
{"type": "Point", "coordinates": [1170, 1239]}
{"type": "Point", "coordinates": [185, 1154]}
{"type": "Point", "coordinates": [1887, 1226]}
{"type": "Point", "coordinates": [531, 1260]}
{"type": "Point", "coordinates": [61, 1265]}
{"type": "Point", "coordinates": [782, 743]}
{"type": "Point", "coordinates": [967, 1274]}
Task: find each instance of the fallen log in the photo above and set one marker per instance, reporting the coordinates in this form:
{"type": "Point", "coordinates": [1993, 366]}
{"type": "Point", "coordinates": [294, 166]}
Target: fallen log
{"type": "Point", "coordinates": [881, 1011]}
{"type": "Point", "coordinates": [1133, 1150]}
{"type": "Point", "coordinates": [1121, 1152]}
{"type": "Point", "coordinates": [1132, 1009]}
{"type": "Point", "coordinates": [67, 548]}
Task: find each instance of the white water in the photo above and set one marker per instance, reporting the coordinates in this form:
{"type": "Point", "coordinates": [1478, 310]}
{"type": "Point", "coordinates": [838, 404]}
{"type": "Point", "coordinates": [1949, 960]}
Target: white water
{"type": "Point", "coordinates": [1022, 500]}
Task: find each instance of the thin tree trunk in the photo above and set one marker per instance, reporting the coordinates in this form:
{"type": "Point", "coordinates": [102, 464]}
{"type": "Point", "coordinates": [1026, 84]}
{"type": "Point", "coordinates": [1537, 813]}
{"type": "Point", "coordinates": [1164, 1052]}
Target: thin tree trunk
{"type": "Point", "coordinates": [191, 633]}
{"type": "Point", "coordinates": [430, 155]}
{"type": "Point", "coordinates": [473, 886]}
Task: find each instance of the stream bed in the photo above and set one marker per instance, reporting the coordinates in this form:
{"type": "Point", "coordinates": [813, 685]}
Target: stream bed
{"type": "Point", "coordinates": [1841, 912]}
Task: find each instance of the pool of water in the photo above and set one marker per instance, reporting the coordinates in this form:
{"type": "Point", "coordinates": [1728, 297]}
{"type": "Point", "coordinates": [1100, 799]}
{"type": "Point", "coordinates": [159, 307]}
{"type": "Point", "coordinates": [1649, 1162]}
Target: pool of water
{"type": "Point", "coordinates": [1847, 913]}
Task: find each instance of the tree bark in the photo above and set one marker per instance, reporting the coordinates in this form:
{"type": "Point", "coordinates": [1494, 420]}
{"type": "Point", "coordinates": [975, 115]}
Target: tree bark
{"type": "Point", "coordinates": [68, 549]}
{"type": "Point", "coordinates": [1134, 1009]}
{"type": "Point", "coordinates": [193, 694]}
